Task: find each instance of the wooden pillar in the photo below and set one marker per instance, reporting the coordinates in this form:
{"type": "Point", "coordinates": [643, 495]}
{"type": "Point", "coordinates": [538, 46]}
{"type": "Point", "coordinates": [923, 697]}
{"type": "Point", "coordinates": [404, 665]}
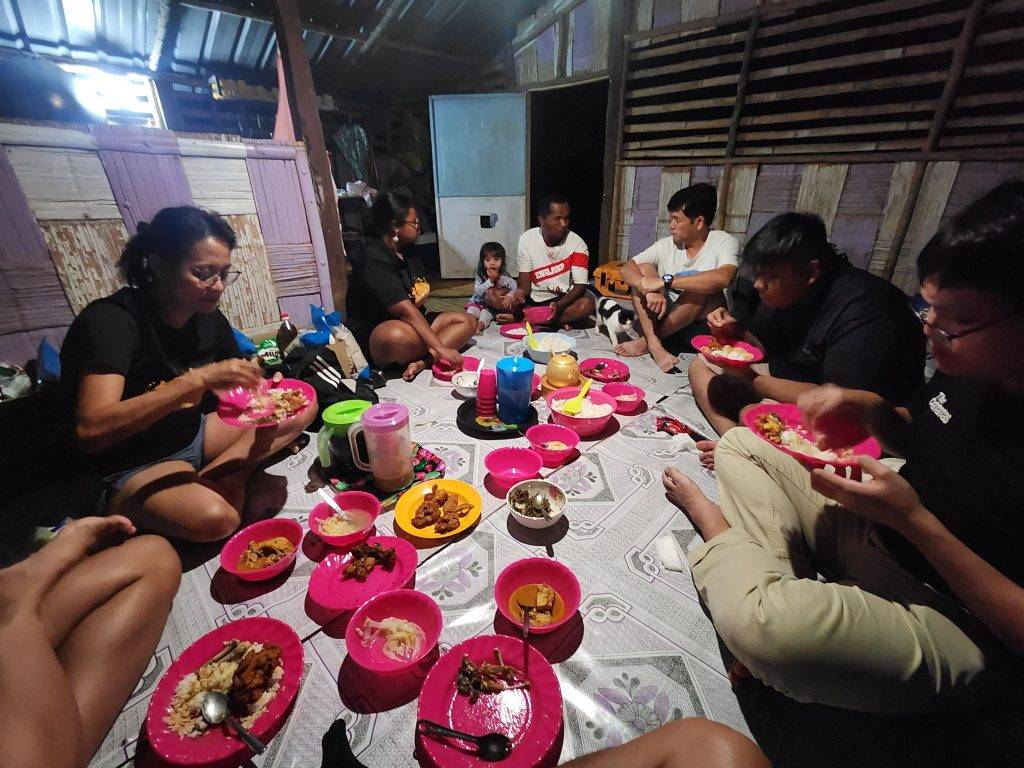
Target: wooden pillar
{"type": "Point", "coordinates": [303, 101]}
{"type": "Point", "coordinates": [618, 22]}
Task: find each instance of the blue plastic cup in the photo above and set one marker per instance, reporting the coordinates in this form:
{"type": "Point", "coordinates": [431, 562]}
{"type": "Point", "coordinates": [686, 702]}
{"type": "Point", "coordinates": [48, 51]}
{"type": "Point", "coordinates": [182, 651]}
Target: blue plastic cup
{"type": "Point", "coordinates": [515, 383]}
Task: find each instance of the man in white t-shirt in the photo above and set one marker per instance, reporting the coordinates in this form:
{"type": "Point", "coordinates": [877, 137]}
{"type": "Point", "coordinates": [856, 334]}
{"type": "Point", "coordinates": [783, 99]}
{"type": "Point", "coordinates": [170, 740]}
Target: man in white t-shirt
{"type": "Point", "coordinates": [681, 278]}
{"type": "Point", "coordinates": [554, 266]}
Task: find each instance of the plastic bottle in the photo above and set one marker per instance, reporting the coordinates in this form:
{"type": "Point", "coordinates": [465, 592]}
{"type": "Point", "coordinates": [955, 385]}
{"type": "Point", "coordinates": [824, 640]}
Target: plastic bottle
{"type": "Point", "coordinates": [286, 334]}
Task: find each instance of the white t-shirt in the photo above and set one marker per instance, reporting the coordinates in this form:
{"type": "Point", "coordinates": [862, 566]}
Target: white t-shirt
{"type": "Point", "coordinates": [719, 249]}
{"type": "Point", "coordinates": [553, 271]}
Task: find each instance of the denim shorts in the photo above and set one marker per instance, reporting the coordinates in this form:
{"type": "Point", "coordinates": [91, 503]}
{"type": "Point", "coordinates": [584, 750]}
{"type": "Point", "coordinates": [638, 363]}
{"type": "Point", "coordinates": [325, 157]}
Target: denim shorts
{"type": "Point", "coordinates": [192, 453]}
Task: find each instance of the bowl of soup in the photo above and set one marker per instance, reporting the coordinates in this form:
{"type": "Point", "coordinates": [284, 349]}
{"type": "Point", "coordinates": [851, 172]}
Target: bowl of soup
{"type": "Point", "coordinates": [549, 589]}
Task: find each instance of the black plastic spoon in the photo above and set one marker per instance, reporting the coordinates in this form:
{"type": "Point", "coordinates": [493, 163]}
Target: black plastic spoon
{"type": "Point", "coordinates": [491, 747]}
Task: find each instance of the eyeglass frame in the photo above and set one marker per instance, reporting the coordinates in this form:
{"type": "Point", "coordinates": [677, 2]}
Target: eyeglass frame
{"type": "Point", "coordinates": [949, 337]}
{"type": "Point", "coordinates": [226, 277]}
{"type": "Point", "coordinates": [417, 224]}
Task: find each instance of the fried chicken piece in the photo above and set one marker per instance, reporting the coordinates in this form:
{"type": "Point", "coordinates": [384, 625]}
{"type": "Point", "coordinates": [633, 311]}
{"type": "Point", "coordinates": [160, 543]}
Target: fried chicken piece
{"type": "Point", "coordinates": [437, 495]}
{"type": "Point", "coordinates": [366, 557]}
{"type": "Point", "coordinates": [253, 676]}
{"type": "Point", "coordinates": [447, 523]}
{"type": "Point", "coordinates": [429, 512]}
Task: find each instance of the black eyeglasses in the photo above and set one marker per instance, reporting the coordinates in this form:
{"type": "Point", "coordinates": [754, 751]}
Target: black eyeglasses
{"type": "Point", "coordinates": [413, 224]}
{"type": "Point", "coordinates": [946, 338]}
{"type": "Point", "coordinates": [207, 277]}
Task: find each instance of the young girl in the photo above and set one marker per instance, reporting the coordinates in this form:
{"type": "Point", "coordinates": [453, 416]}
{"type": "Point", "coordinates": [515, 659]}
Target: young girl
{"type": "Point", "coordinates": [493, 288]}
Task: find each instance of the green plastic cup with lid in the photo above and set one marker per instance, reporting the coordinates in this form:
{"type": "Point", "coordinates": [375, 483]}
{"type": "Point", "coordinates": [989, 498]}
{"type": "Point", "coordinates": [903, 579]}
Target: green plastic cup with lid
{"type": "Point", "coordinates": [332, 441]}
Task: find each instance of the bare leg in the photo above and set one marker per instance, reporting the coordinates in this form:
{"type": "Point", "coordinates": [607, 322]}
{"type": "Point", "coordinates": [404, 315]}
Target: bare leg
{"type": "Point", "coordinates": [104, 615]}
{"type": "Point", "coordinates": [579, 310]}
{"type": "Point", "coordinates": [700, 377]}
{"type": "Point", "coordinates": [690, 743]}
{"type": "Point", "coordinates": [637, 347]}
{"type": "Point", "coordinates": [687, 495]}
{"type": "Point", "coordinates": [395, 342]}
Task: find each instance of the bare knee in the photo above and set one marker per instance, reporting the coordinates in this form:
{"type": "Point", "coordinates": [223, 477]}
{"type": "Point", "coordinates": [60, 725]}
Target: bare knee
{"type": "Point", "coordinates": [717, 745]}
{"type": "Point", "coordinates": [213, 519]}
{"type": "Point", "coordinates": [585, 305]}
{"type": "Point", "coordinates": [157, 562]}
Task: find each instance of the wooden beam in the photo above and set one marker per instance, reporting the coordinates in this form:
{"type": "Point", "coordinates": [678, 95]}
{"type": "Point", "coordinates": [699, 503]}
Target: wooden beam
{"type": "Point", "coordinates": [986, 154]}
{"type": "Point", "coordinates": [949, 89]}
{"type": "Point", "coordinates": [303, 101]}
{"type": "Point", "coordinates": [562, 64]}
{"type": "Point", "coordinates": [378, 31]}
{"type": "Point", "coordinates": [534, 31]}
{"type": "Point", "coordinates": [618, 24]}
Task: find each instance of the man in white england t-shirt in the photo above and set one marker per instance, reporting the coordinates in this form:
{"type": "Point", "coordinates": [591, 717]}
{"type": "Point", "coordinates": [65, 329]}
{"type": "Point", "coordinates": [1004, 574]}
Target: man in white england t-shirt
{"type": "Point", "coordinates": [680, 278]}
{"type": "Point", "coordinates": [554, 266]}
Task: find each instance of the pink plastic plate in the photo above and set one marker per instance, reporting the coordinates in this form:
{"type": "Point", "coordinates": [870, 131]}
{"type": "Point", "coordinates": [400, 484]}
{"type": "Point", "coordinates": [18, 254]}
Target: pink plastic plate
{"type": "Point", "coordinates": [235, 403]}
{"type": "Point", "coordinates": [612, 370]}
{"type": "Point", "coordinates": [531, 718]}
{"type": "Point", "coordinates": [617, 389]}
{"type": "Point", "coordinates": [790, 414]}
{"type": "Point", "coordinates": [699, 342]}
{"type": "Point", "coordinates": [537, 570]}
{"type": "Point", "coordinates": [350, 501]}
{"type": "Point", "coordinates": [405, 604]}
{"type": "Point", "coordinates": [218, 745]}
{"type": "Point", "coordinates": [539, 434]}
{"type": "Point", "coordinates": [443, 371]}
{"type": "Point", "coordinates": [513, 330]}
{"type": "Point", "coordinates": [330, 589]}
{"type": "Point", "coordinates": [261, 531]}
{"type": "Point", "coordinates": [509, 466]}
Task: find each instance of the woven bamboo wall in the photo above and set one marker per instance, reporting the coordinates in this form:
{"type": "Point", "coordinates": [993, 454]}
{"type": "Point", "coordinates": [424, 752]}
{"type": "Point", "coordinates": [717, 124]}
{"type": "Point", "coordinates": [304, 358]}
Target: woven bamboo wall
{"type": "Point", "coordinates": [574, 45]}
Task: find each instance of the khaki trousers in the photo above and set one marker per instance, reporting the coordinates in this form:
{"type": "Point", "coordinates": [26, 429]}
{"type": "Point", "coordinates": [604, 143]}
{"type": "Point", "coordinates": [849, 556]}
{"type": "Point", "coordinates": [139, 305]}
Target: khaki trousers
{"type": "Point", "coordinates": [871, 637]}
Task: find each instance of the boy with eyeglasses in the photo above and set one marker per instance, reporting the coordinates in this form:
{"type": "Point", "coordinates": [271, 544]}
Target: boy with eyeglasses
{"type": "Point", "coordinates": [922, 601]}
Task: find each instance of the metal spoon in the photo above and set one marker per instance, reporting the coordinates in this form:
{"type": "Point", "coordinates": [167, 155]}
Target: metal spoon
{"type": "Point", "coordinates": [215, 711]}
{"type": "Point", "coordinates": [329, 500]}
{"type": "Point", "coordinates": [491, 747]}
{"type": "Point", "coordinates": [526, 637]}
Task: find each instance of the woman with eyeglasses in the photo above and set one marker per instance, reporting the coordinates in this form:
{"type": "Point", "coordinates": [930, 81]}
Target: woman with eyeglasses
{"type": "Point", "coordinates": [139, 368]}
{"type": "Point", "coordinates": [920, 599]}
{"type": "Point", "coordinates": [385, 302]}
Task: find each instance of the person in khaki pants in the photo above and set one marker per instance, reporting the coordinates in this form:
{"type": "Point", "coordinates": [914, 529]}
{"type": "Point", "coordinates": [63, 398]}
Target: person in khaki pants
{"type": "Point", "coordinates": [919, 602]}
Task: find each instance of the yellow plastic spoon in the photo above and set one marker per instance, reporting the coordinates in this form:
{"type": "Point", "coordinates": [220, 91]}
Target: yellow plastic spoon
{"type": "Point", "coordinates": [530, 341]}
{"type": "Point", "coordinates": [575, 404]}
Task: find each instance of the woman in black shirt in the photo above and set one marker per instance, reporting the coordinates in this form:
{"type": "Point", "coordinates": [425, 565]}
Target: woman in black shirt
{"type": "Point", "coordinates": [138, 365]}
{"type": "Point", "coordinates": [385, 301]}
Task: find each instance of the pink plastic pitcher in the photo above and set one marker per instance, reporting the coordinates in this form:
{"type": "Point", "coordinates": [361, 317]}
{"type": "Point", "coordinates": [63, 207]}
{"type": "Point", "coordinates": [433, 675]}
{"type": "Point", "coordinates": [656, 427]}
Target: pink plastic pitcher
{"type": "Point", "coordinates": [386, 429]}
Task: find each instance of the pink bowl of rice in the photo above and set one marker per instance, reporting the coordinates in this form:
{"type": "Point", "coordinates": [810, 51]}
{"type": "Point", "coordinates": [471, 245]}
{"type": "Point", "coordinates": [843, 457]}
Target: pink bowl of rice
{"type": "Point", "coordinates": [597, 410]}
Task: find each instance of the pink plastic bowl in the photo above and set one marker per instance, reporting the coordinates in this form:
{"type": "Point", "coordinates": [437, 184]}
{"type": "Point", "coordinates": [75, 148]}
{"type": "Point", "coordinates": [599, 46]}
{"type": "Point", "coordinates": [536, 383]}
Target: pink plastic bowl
{"type": "Point", "coordinates": [538, 315]}
{"type": "Point", "coordinates": [619, 388]}
{"type": "Point", "coordinates": [264, 529]}
{"type": "Point", "coordinates": [509, 466]}
{"type": "Point", "coordinates": [443, 370]}
{"type": "Point", "coordinates": [544, 433]}
{"type": "Point", "coordinates": [582, 427]}
{"type": "Point", "coordinates": [405, 604]}
{"type": "Point", "coordinates": [538, 570]}
{"type": "Point", "coordinates": [347, 500]}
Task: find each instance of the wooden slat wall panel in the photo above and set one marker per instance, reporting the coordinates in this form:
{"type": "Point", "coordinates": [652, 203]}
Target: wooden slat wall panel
{"type": "Point", "coordinates": [220, 184]}
{"type": "Point", "coordinates": [665, 12]}
{"type": "Point", "coordinates": [627, 179]}
{"type": "Point", "coordinates": [547, 53]}
{"type": "Point", "coordinates": [144, 183]}
{"type": "Point", "coordinates": [699, 9]}
{"type": "Point", "coordinates": [31, 296]}
{"type": "Point", "coordinates": [85, 254]}
{"type": "Point", "coordinates": [63, 183]}
{"type": "Point", "coordinates": [294, 269]}
{"type": "Point", "coordinates": [975, 179]}
{"type": "Point", "coordinates": [820, 189]}
{"type": "Point", "coordinates": [861, 205]}
{"type": "Point", "coordinates": [278, 200]}
{"type": "Point", "coordinates": [775, 191]}
{"type": "Point", "coordinates": [646, 192]}
{"type": "Point", "coordinates": [672, 180]}
{"type": "Point", "coordinates": [935, 189]}
{"type": "Point", "coordinates": [582, 36]}
{"type": "Point", "coordinates": [741, 197]}
{"type": "Point", "coordinates": [602, 38]}
{"type": "Point", "coordinates": [526, 65]}
{"type": "Point", "coordinates": [895, 203]}
{"type": "Point", "coordinates": [297, 307]}
{"type": "Point", "coordinates": [250, 301]}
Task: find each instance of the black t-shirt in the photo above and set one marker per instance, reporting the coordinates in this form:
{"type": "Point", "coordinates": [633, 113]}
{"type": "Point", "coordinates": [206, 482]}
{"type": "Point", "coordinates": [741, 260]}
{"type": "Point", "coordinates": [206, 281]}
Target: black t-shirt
{"type": "Point", "coordinates": [965, 459]}
{"type": "Point", "coordinates": [856, 331]}
{"type": "Point", "coordinates": [119, 334]}
{"type": "Point", "coordinates": [380, 279]}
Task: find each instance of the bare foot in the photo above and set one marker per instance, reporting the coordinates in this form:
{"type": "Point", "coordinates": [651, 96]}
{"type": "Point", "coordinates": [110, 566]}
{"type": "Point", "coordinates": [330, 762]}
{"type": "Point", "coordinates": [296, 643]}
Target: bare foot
{"type": "Point", "coordinates": [707, 452]}
{"type": "Point", "coordinates": [632, 348]}
{"type": "Point", "coordinates": [665, 359]}
{"type": "Point", "coordinates": [413, 369]}
{"type": "Point", "coordinates": [703, 512]}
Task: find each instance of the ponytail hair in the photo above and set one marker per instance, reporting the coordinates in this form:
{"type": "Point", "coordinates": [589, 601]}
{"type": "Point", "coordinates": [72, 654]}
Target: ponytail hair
{"type": "Point", "coordinates": [169, 238]}
{"type": "Point", "coordinates": [389, 209]}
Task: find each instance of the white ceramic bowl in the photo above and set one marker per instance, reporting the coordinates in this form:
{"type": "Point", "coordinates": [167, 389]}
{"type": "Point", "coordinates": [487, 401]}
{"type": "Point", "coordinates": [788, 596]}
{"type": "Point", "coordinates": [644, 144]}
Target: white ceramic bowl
{"type": "Point", "coordinates": [533, 487]}
{"type": "Point", "coordinates": [465, 383]}
{"type": "Point", "coordinates": [542, 355]}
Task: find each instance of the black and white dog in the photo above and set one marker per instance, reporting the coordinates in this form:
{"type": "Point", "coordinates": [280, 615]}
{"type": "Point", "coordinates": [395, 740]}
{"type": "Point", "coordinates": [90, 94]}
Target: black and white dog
{"type": "Point", "coordinates": [614, 318]}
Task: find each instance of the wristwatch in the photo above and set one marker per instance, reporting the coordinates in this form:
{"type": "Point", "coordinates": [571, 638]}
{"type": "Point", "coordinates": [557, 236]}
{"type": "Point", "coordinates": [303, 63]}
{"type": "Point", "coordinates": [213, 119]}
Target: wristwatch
{"type": "Point", "coordinates": [667, 280]}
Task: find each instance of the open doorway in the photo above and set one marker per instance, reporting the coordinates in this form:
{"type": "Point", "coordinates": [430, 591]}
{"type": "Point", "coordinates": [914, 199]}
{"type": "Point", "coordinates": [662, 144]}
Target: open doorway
{"type": "Point", "coordinates": [567, 154]}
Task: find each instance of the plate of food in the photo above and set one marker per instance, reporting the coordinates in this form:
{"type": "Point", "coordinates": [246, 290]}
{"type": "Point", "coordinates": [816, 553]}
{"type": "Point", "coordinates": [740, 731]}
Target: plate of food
{"type": "Point", "coordinates": [483, 686]}
{"type": "Point", "coordinates": [782, 425]}
{"type": "Point", "coordinates": [343, 582]}
{"type": "Point", "coordinates": [734, 353]}
{"type": "Point", "coordinates": [257, 662]}
{"type": "Point", "coordinates": [604, 369]}
{"type": "Point", "coordinates": [513, 330]}
{"type": "Point", "coordinates": [438, 509]}
{"type": "Point", "coordinates": [276, 402]}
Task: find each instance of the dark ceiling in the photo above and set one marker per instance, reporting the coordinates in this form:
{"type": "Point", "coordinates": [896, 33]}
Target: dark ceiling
{"type": "Point", "coordinates": [359, 49]}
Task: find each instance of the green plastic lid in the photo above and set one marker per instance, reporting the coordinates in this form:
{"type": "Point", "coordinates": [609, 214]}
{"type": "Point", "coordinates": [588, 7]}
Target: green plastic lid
{"type": "Point", "coordinates": [346, 413]}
